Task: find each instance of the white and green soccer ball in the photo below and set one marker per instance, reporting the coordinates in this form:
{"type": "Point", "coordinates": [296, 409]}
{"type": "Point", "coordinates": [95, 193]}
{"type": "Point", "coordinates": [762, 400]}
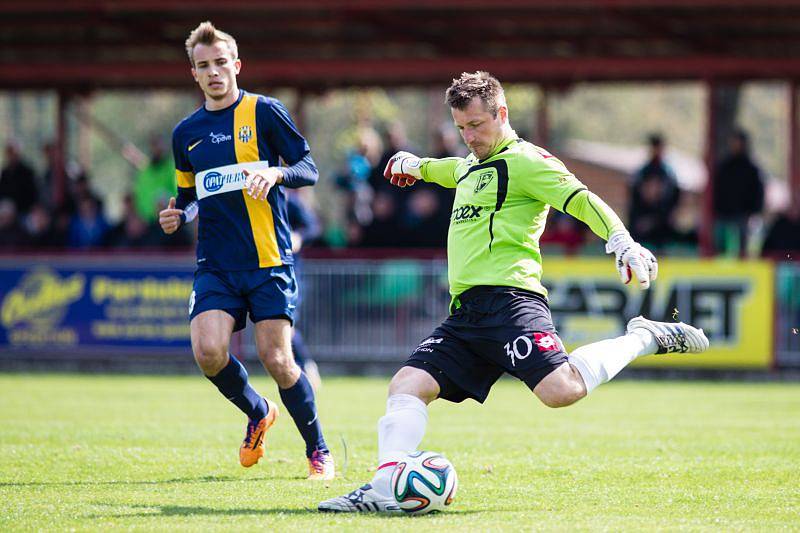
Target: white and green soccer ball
{"type": "Point", "coordinates": [424, 482]}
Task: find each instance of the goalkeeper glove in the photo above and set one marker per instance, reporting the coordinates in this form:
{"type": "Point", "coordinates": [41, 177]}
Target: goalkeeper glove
{"type": "Point", "coordinates": [633, 258]}
{"type": "Point", "coordinates": [403, 169]}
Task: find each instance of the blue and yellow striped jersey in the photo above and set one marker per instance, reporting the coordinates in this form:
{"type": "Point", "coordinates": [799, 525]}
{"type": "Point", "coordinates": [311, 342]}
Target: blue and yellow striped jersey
{"type": "Point", "coordinates": [211, 149]}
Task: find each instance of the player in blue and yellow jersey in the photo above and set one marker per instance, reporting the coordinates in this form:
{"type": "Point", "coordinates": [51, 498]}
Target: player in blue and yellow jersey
{"type": "Point", "coordinates": [233, 158]}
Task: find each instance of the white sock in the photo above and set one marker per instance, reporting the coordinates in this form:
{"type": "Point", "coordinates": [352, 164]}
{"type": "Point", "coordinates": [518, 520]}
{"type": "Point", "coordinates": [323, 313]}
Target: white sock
{"type": "Point", "coordinates": [400, 432]}
{"type": "Point", "coordinates": [600, 361]}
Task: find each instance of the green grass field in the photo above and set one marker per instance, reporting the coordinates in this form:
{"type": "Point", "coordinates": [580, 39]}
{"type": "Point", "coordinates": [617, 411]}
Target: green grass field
{"type": "Point", "coordinates": [160, 453]}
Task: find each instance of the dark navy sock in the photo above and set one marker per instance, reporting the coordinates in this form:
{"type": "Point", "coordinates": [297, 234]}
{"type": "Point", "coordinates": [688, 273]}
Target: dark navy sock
{"type": "Point", "coordinates": [299, 401]}
{"type": "Point", "coordinates": [299, 349]}
{"type": "Point", "coordinates": [232, 383]}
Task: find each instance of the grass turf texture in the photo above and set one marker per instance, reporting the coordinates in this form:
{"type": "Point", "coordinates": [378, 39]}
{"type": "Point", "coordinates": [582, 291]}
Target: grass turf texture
{"type": "Point", "coordinates": [160, 453]}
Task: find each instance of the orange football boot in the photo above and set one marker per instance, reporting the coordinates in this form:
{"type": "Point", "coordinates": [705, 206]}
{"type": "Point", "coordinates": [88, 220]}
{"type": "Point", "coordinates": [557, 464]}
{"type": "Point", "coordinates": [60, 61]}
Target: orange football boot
{"type": "Point", "coordinates": [252, 448]}
{"type": "Point", "coordinates": [320, 466]}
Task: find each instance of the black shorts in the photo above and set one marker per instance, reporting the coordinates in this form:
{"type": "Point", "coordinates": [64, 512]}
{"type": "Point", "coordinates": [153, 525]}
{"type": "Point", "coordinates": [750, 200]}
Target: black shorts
{"type": "Point", "coordinates": [496, 330]}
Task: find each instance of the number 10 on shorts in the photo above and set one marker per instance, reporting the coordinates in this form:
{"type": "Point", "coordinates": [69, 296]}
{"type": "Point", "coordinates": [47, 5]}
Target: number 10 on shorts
{"type": "Point", "coordinates": [522, 347]}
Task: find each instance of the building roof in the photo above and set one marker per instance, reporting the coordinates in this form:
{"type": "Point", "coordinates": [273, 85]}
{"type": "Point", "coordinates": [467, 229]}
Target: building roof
{"type": "Point", "coordinates": [317, 44]}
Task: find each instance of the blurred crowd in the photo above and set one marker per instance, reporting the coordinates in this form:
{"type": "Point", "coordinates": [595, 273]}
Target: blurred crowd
{"type": "Point", "coordinates": [656, 216]}
{"type": "Point", "coordinates": [379, 215]}
{"type": "Point", "coordinates": [30, 218]}
{"type": "Point", "coordinates": [374, 214]}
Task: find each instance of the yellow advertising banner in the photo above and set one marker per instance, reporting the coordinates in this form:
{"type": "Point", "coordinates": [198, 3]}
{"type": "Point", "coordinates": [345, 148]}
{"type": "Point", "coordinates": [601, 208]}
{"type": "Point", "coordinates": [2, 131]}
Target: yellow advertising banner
{"type": "Point", "coordinates": [731, 300]}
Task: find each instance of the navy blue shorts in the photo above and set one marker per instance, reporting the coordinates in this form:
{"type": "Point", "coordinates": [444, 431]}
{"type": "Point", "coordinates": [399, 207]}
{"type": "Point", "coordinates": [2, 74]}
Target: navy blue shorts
{"type": "Point", "coordinates": [263, 292]}
{"type": "Point", "coordinates": [496, 330]}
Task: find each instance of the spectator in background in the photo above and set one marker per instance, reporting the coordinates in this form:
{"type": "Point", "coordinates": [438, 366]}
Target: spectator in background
{"type": "Point", "coordinates": [155, 183]}
{"type": "Point", "coordinates": [17, 180]}
{"type": "Point", "coordinates": [654, 197]}
{"type": "Point", "coordinates": [302, 219]}
{"type": "Point", "coordinates": [359, 166]}
{"type": "Point", "coordinates": [50, 157]}
{"type": "Point", "coordinates": [78, 187]}
{"type": "Point", "coordinates": [783, 235]}
{"type": "Point", "coordinates": [40, 231]}
{"type": "Point", "coordinates": [651, 212]}
{"type": "Point", "coordinates": [394, 140]}
{"type": "Point", "coordinates": [426, 217]}
{"type": "Point", "coordinates": [446, 143]}
{"type": "Point", "coordinates": [738, 196]}
{"type": "Point", "coordinates": [565, 231]}
{"type": "Point", "coordinates": [384, 230]}
{"type": "Point", "coordinates": [132, 230]}
{"type": "Point", "coordinates": [656, 163]}
{"type": "Point", "coordinates": [305, 229]}
{"type": "Point", "coordinates": [11, 234]}
{"type": "Point", "coordinates": [354, 181]}
{"type": "Point", "coordinates": [88, 226]}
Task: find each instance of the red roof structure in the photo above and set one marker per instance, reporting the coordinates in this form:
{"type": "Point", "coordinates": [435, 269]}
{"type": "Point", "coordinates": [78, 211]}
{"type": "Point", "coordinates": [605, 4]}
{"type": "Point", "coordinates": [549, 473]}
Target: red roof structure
{"type": "Point", "coordinates": [316, 44]}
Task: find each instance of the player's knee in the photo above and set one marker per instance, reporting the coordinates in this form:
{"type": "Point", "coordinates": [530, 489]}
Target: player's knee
{"type": "Point", "coordinates": [402, 377]}
{"type": "Point", "coordinates": [211, 356]}
{"type": "Point", "coordinates": [560, 388]}
{"type": "Point", "coordinates": [563, 396]}
{"type": "Point", "coordinates": [416, 382]}
{"type": "Point", "coordinates": [279, 363]}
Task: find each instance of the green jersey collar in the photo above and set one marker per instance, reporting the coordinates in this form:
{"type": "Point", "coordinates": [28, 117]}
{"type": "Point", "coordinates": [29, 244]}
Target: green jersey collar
{"type": "Point", "coordinates": [502, 147]}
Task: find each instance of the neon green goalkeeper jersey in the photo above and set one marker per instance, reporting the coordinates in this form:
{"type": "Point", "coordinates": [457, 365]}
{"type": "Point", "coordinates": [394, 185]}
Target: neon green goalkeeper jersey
{"type": "Point", "coordinates": [500, 209]}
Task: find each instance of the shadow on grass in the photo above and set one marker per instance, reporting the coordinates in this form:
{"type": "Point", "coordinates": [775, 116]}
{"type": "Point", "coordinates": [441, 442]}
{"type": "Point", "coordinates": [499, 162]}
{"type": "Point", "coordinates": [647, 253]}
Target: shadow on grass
{"type": "Point", "coordinates": [201, 479]}
{"type": "Point", "coordinates": [177, 510]}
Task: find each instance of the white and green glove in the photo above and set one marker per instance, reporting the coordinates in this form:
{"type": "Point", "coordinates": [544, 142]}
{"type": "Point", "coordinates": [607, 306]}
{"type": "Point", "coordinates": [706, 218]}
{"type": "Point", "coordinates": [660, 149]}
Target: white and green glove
{"type": "Point", "coordinates": [403, 169]}
{"type": "Point", "coordinates": [633, 259]}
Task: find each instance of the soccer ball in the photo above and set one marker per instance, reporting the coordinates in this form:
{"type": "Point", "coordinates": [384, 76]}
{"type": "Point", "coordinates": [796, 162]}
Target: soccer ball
{"type": "Point", "coordinates": [424, 482]}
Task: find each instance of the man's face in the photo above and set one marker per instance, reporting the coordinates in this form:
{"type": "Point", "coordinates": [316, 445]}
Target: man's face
{"type": "Point", "coordinates": [480, 130]}
{"type": "Point", "coordinates": [736, 145]}
{"type": "Point", "coordinates": [12, 153]}
{"type": "Point", "coordinates": [657, 150]}
{"type": "Point", "coordinates": [215, 69]}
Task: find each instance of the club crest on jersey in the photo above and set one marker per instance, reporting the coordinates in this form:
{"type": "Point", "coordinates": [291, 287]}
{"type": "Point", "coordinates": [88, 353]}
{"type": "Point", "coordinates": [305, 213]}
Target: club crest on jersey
{"type": "Point", "coordinates": [245, 133]}
{"type": "Point", "coordinates": [484, 178]}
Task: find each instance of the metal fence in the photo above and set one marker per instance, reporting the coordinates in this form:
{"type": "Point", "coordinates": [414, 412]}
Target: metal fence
{"type": "Point", "coordinates": [787, 315]}
{"type": "Point", "coordinates": [370, 310]}
{"type": "Point", "coordinates": [378, 311]}
{"type": "Point", "coordinates": [367, 310]}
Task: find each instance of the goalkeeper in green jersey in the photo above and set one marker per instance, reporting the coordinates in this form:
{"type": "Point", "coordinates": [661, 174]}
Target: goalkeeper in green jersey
{"type": "Point", "coordinates": [500, 320]}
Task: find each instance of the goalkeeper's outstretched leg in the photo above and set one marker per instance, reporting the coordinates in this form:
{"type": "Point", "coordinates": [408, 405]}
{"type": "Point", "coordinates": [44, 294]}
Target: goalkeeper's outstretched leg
{"type": "Point", "coordinates": [597, 363]}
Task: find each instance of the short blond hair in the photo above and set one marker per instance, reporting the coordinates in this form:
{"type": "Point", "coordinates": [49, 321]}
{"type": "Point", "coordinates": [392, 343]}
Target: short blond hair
{"type": "Point", "coordinates": [207, 34]}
